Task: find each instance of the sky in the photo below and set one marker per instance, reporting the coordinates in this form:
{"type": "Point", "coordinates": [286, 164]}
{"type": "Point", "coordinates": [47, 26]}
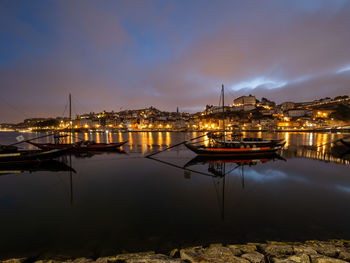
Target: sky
{"type": "Point", "coordinates": [132, 54]}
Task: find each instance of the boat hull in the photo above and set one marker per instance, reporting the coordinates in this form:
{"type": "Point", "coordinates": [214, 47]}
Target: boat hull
{"type": "Point", "coordinates": [80, 147]}
{"type": "Point", "coordinates": [254, 144]}
{"type": "Point", "coordinates": [202, 150]}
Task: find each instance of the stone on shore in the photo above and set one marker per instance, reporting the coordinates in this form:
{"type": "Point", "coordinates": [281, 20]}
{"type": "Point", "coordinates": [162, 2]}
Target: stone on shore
{"type": "Point", "coordinates": [212, 254]}
{"type": "Point", "coordinates": [244, 248]}
{"type": "Point", "coordinates": [333, 251]}
{"type": "Point", "coordinates": [277, 250]}
{"type": "Point", "coordinates": [323, 259]}
{"type": "Point", "coordinates": [150, 257]}
{"type": "Point", "coordinates": [302, 249]}
{"type": "Point", "coordinates": [344, 255]}
{"type": "Point", "coordinates": [14, 260]}
{"type": "Point", "coordinates": [254, 257]}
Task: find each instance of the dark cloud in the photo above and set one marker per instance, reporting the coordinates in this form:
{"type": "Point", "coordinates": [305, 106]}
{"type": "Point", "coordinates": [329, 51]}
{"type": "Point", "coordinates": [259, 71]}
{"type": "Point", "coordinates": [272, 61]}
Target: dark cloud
{"type": "Point", "coordinates": [135, 54]}
{"type": "Point", "coordinates": [330, 85]}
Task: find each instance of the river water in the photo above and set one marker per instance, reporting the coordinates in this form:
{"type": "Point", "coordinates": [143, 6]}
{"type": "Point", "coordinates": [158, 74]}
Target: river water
{"type": "Point", "coordinates": [118, 202]}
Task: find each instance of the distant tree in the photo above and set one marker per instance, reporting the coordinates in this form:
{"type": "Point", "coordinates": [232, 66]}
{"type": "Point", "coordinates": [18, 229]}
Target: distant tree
{"type": "Point", "coordinates": [103, 121]}
{"type": "Point", "coordinates": [257, 115]}
{"type": "Point", "coordinates": [48, 123]}
{"type": "Point", "coordinates": [341, 97]}
{"type": "Point", "coordinates": [342, 113]}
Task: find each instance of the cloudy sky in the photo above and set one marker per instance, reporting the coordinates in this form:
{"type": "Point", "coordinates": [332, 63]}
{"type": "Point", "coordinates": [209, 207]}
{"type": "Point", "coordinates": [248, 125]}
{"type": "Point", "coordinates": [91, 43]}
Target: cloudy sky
{"type": "Point", "coordinates": [131, 54]}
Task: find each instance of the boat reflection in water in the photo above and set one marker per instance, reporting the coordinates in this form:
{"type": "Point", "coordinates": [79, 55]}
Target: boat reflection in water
{"type": "Point", "coordinates": [220, 167]}
{"type": "Point", "coordinates": [82, 155]}
{"type": "Point", "coordinates": [44, 165]}
{"type": "Point", "coordinates": [90, 154]}
{"type": "Point", "coordinates": [341, 150]}
{"type": "Point", "coordinates": [217, 165]}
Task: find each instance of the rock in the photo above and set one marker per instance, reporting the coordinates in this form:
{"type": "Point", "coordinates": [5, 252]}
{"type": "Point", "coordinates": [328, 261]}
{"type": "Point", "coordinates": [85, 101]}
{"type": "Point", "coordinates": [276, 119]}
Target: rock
{"type": "Point", "coordinates": [174, 253]}
{"type": "Point", "coordinates": [157, 258]}
{"type": "Point", "coordinates": [149, 257]}
{"type": "Point", "coordinates": [14, 260]}
{"type": "Point", "coordinates": [254, 257]}
{"type": "Point", "coordinates": [323, 259]}
{"type": "Point", "coordinates": [334, 251]}
{"type": "Point", "coordinates": [191, 253]}
{"type": "Point", "coordinates": [282, 260]}
{"type": "Point", "coordinates": [48, 261]}
{"type": "Point", "coordinates": [244, 248]}
{"type": "Point", "coordinates": [83, 260]}
{"type": "Point", "coordinates": [123, 257]}
{"type": "Point", "coordinates": [329, 250]}
{"type": "Point", "coordinates": [301, 249]}
{"type": "Point", "coordinates": [301, 258]}
{"type": "Point", "coordinates": [277, 250]}
{"type": "Point", "coordinates": [344, 255]}
{"type": "Point", "coordinates": [216, 254]}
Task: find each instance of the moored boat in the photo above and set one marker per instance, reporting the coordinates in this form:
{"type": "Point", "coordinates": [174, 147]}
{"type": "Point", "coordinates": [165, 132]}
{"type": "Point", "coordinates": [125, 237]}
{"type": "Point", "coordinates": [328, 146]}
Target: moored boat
{"type": "Point", "coordinates": [80, 146]}
{"type": "Point", "coordinates": [220, 145]}
{"type": "Point", "coordinates": [227, 149]}
{"type": "Point", "coordinates": [83, 145]}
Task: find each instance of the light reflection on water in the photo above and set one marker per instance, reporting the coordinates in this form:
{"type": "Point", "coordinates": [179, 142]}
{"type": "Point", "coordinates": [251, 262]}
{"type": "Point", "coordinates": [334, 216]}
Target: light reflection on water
{"type": "Point", "coordinates": [127, 202]}
{"type": "Point", "coordinates": [304, 144]}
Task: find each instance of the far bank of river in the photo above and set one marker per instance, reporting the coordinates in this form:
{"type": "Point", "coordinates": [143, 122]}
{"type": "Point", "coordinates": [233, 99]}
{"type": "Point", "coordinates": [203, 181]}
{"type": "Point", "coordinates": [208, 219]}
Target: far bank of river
{"type": "Point", "coordinates": [113, 130]}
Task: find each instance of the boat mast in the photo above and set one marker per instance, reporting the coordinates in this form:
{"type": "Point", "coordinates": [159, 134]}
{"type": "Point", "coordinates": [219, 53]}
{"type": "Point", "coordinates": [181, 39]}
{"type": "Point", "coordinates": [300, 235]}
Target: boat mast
{"type": "Point", "coordinates": [70, 118]}
{"type": "Point", "coordinates": [223, 110]}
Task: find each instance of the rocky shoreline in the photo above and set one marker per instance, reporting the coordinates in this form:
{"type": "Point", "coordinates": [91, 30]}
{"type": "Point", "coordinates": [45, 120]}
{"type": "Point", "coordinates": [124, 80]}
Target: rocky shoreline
{"type": "Point", "coordinates": [332, 251]}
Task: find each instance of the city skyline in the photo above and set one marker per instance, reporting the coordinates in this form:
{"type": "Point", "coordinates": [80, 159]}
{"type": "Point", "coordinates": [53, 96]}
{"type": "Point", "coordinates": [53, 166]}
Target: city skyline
{"type": "Point", "coordinates": [129, 55]}
{"type": "Point", "coordinates": [229, 103]}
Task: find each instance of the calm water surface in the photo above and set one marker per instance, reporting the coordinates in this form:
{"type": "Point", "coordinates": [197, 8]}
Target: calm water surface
{"type": "Point", "coordinates": [118, 202]}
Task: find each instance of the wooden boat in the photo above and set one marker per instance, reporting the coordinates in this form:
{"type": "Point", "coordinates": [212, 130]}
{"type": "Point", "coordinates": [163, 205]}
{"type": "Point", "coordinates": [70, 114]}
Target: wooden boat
{"type": "Point", "coordinates": [231, 150]}
{"type": "Point", "coordinates": [23, 156]}
{"type": "Point", "coordinates": [80, 146]}
{"type": "Point", "coordinates": [219, 145]}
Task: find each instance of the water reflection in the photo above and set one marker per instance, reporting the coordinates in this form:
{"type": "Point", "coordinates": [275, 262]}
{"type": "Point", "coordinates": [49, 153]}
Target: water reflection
{"type": "Point", "coordinates": [129, 202]}
{"type": "Point", "coordinates": [219, 168]}
{"type": "Point", "coordinates": [160, 139]}
{"type": "Point", "coordinates": [287, 140]}
{"type": "Point", "coordinates": [306, 145]}
{"type": "Point", "coordinates": [35, 166]}
{"type": "Point", "coordinates": [167, 139]}
{"type": "Point", "coordinates": [131, 142]}
{"type": "Point", "coordinates": [98, 137]}
{"type": "Point", "coordinates": [150, 140]}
